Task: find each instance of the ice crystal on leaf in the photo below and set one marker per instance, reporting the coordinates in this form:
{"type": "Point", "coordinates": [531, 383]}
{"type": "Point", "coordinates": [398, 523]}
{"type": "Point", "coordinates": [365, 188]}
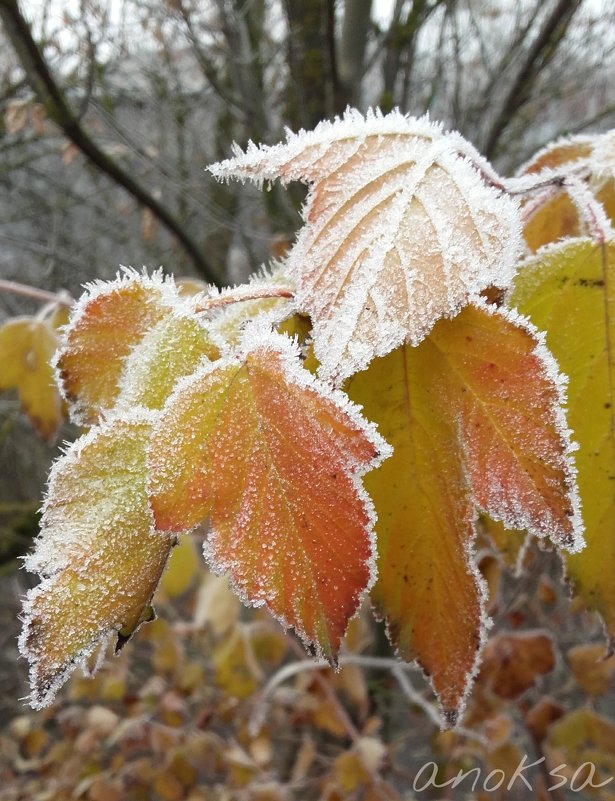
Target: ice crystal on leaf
{"type": "Point", "coordinates": [98, 553]}
{"type": "Point", "coordinates": [105, 325]}
{"type": "Point", "coordinates": [474, 416]}
{"type": "Point", "coordinates": [402, 226]}
{"type": "Point", "coordinates": [587, 206]}
{"type": "Point", "coordinates": [568, 290]}
{"type": "Point", "coordinates": [274, 457]}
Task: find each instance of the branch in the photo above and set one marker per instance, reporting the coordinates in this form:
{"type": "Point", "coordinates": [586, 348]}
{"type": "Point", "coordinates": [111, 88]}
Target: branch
{"type": "Point", "coordinates": [242, 293]}
{"type": "Point", "coordinates": [399, 671]}
{"type": "Point", "coordinates": [537, 57]}
{"type": "Point", "coordinates": [43, 295]}
{"type": "Point", "coordinates": [58, 110]}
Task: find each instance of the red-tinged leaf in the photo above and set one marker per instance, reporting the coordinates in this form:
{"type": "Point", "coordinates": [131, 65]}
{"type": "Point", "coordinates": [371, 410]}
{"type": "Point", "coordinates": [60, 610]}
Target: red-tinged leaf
{"type": "Point", "coordinates": [106, 324]}
{"type": "Point", "coordinates": [26, 347]}
{"type": "Point", "coordinates": [482, 367]}
{"type": "Point", "coordinates": [401, 229]}
{"type": "Point", "coordinates": [274, 457]}
{"type": "Point", "coordinates": [508, 400]}
{"type": "Point", "coordinates": [98, 554]}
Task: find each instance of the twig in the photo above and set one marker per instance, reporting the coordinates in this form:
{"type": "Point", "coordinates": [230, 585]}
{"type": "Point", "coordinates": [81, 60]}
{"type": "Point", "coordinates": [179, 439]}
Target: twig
{"type": "Point", "coordinates": [51, 96]}
{"type": "Point", "coordinates": [62, 298]}
{"type": "Point", "coordinates": [241, 294]}
{"type": "Point", "coordinates": [397, 669]}
{"type": "Point", "coordinates": [537, 57]}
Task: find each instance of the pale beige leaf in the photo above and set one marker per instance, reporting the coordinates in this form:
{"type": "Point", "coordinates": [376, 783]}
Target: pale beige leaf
{"type": "Point", "coordinates": [402, 226]}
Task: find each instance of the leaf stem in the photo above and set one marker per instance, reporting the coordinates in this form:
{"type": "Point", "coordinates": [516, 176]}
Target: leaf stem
{"type": "Point", "coordinates": [26, 291]}
{"type": "Point", "coordinates": [242, 293]}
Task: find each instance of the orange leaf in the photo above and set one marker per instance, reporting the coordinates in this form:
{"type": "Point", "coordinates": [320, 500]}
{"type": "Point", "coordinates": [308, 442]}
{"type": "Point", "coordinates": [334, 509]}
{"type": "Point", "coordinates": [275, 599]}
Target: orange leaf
{"type": "Point", "coordinates": [564, 151]}
{"type": "Point", "coordinates": [106, 323]}
{"type": "Point", "coordinates": [473, 415]}
{"type": "Point", "coordinates": [401, 229]}
{"type": "Point", "coordinates": [274, 456]}
{"type": "Point", "coordinates": [26, 348]}
{"type": "Point", "coordinates": [507, 400]}
{"type": "Point", "coordinates": [98, 554]}
{"type": "Point", "coordinates": [557, 216]}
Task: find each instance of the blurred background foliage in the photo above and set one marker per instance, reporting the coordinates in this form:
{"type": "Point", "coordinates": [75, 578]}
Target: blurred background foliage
{"type": "Point", "coordinates": [110, 111]}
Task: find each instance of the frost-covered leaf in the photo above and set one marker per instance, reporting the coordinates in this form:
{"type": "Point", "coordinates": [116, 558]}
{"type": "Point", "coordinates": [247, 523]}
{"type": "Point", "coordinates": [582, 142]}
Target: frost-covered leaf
{"type": "Point", "coordinates": [168, 351]}
{"type": "Point", "coordinates": [557, 216]}
{"type": "Point", "coordinates": [563, 151]}
{"type": "Point", "coordinates": [98, 554]}
{"type": "Point", "coordinates": [274, 457]}
{"type": "Point", "coordinates": [473, 416]}
{"type": "Point", "coordinates": [568, 290]}
{"type": "Point", "coordinates": [106, 323]}
{"type": "Point", "coordinates": [27, 345]}
{"type": "Point", "coordinates": [401, 228]}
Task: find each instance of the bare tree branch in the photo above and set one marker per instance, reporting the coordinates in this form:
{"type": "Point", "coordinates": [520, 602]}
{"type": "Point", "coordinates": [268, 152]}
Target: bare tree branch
{"type": "Point", "coordinates": [58, 109]}
{"type": "Point", "coordinates": [539, 54]}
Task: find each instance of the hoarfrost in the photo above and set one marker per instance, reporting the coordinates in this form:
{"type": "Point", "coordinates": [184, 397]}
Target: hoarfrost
{"type": "Point", "coordinates": [98, 554]}
{"type": "Point", "coordinates": [227, 324]}
{"type": "Point", "coordinates": [403, 225]}
{"type": "Point", "coordinates": [264, 532]}
{"type": "Point", "coordinates": [511, 509]}
{"type": "Point", "coordinates": [104, 325]}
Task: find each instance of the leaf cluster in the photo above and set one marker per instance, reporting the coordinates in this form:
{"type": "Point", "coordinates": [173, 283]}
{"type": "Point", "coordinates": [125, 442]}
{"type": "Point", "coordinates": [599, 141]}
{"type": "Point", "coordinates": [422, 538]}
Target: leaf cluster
{"type": "Point", "coordinates": [342, 421]}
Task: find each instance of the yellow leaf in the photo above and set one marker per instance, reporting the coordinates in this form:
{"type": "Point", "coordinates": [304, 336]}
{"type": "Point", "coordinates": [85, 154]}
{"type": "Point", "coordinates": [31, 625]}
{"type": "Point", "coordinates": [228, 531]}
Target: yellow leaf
{"type": "Point", "coordinates": [510, 545]}
{"type": "Point", "coordinates": [170, 350]}
{"type": "Point", "coordinates": [236, 670]}
{"type": "Point", "coordinates": [182, 568]}
{"type": "Point", "coordinates": [582, 739]}
{"type": "Point", "coordinates": [568, 290]}
{"type": "Point", "coordinates": [593, 668]}
{"type": "Point", "coordinates": [26, 348]}
{"type": "Point", "coordinates": [557, 216]}
{"type": "Point", "coordinates": [216, 605]}
{"type": "Point", "coordinates": [473, 415]}
{"type": "Point", "coordinates": [98, 554]}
